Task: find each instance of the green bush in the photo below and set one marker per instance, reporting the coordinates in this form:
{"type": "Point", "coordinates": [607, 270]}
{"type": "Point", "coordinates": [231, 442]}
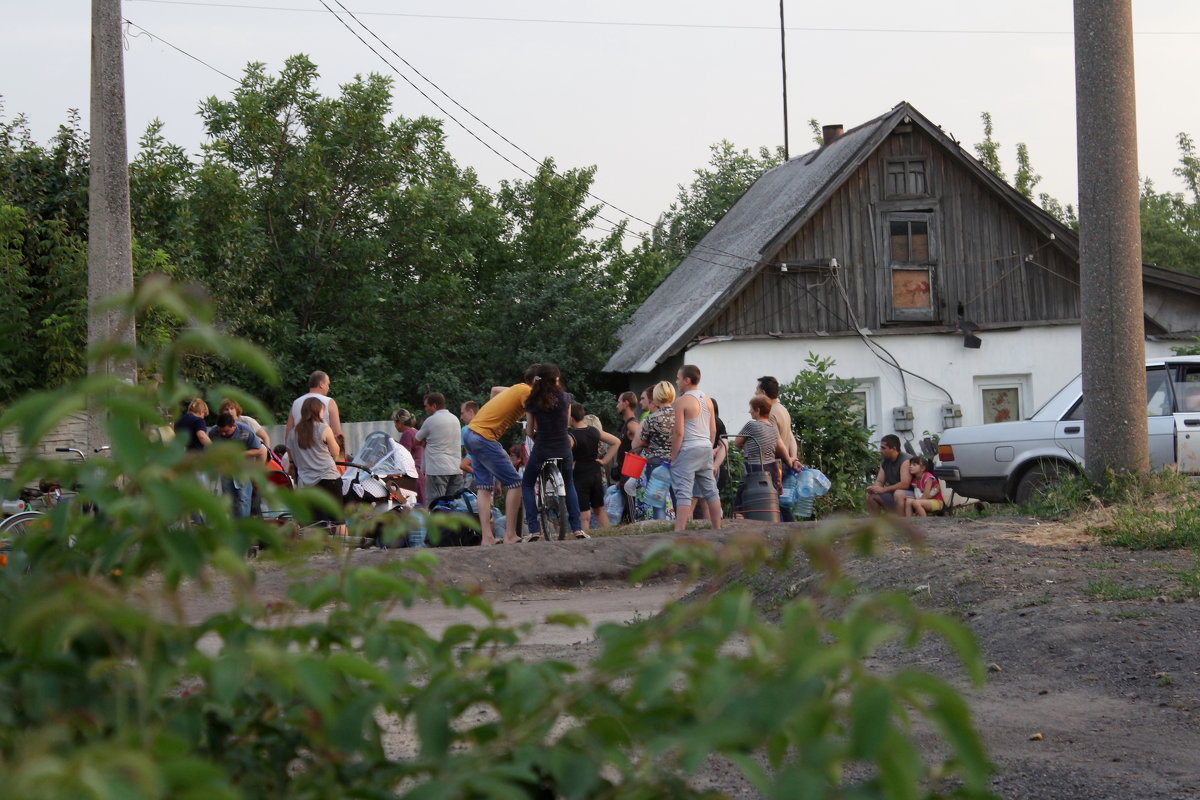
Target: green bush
{"type": "Point", "coordinates": [108, 689]}
{"type": "Point", "coordinates": [829, 434]}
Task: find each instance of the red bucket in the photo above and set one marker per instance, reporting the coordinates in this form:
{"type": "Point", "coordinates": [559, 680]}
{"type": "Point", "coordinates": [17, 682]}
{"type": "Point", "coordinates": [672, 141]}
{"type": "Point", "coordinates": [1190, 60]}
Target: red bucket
{"type": "Point", "coordinates": [633, 465]}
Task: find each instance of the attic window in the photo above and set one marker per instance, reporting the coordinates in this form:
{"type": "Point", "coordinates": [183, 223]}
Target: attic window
{"type": "Point", "coordinates": [910, 284]}
{"type": "Point", "coordinates": [905, 177]}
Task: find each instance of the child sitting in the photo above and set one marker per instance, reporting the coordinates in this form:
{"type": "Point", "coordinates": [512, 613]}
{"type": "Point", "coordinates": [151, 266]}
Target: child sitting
{"type": "Point", "coordinates": [928, 489]}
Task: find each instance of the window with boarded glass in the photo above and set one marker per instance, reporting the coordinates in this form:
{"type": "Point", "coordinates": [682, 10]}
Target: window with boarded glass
{"type": "Point", "coordinates": [911, 275]}
{"type": "Point", "coordinates": [906, 178]}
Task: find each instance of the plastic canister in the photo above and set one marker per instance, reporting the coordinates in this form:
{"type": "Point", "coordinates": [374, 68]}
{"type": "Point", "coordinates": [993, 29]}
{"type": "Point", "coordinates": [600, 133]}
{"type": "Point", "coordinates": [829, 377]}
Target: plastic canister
{"type": "Point", "coordinates": [760, 501]}
{"type": "Point", "coordinates": [659, 485]}
{"type": "Point", "coordinates": [14, 506]}
{"type": "Point", "coordinates": [787, 496]}
{"type": "Point", "coordinates": [807, 485]}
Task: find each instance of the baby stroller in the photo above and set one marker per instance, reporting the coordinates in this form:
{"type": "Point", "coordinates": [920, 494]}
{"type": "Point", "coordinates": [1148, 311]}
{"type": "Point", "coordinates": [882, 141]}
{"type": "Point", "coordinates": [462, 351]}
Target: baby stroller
{"type": "Point", "coordinates": [278, 476]}
{"type": "Point", "coordinates": [382, 478]}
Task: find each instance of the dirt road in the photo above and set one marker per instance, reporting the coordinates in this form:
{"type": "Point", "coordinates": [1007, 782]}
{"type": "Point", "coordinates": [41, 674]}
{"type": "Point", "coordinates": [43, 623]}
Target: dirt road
{"type": "Point", "coordinates": [1094, 688]}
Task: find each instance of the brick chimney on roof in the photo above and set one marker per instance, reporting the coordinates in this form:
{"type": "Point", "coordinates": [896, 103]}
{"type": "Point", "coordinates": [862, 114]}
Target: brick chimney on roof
{"type": "Point", "coordinates": [831, 133]}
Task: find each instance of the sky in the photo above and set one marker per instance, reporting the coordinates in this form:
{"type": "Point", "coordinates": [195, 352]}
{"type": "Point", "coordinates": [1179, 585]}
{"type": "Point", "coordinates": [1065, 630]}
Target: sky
{"type": "Point", "coordinates": [639, 88]}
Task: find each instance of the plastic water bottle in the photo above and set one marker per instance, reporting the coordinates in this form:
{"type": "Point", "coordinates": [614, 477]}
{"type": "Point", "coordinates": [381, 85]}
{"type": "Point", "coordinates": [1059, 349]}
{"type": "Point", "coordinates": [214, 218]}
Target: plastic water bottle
{"type": "Point", "coordinates": [658, 485]}
{"type": "Point", "coordinates": [417, 530]}
{"type": "Point", "coordinates": [787, 496]}
{"type": "Point", "coordinates": [807, 485]}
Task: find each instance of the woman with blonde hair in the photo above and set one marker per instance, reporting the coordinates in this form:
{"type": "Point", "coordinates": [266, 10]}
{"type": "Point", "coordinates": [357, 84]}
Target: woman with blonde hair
{"type": "Point", "coordinates": [311, 445]}
{"type": "Point", "coordinates": [654, 444]}
{"type": "Point", "coordinates": [192, 421]}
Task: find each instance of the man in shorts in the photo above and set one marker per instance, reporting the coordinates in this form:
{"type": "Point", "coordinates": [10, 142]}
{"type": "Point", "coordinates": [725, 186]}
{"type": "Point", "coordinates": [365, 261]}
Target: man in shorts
{"type": "Point", "coordinates": [489, 459]}
{"type": "Point", "coordinates": [692, 440]}
{"type": "Point", "coordinates": [893, 480]}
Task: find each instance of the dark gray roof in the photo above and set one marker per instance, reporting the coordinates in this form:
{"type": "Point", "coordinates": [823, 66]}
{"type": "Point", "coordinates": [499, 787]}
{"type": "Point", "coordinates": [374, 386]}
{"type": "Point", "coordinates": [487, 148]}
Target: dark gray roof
{"type": "Point", "coordinates": [730, 254]}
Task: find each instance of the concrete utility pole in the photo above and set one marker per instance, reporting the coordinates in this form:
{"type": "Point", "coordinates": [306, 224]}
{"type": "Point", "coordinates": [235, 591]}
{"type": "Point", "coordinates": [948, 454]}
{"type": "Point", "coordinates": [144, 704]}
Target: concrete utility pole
{"type": "Point", "coordinates": [1110, 239]}
{"type": "Point", "coordinates": [110, 257]}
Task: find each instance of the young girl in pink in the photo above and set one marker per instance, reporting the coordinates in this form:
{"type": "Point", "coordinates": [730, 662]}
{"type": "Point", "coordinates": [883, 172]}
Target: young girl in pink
{"type": "Point", "coordinates": [928, 489]}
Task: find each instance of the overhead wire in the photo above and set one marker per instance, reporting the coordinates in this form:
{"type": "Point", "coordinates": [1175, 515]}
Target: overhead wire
{"type": "Point", "coordinates": [197, 59]}
{"type": "Point", "coordinates": [645, 237]}
{"type": "Point", "coordinates": [683, 25]}
{"type": "Point", "coordinates": [618, 225]}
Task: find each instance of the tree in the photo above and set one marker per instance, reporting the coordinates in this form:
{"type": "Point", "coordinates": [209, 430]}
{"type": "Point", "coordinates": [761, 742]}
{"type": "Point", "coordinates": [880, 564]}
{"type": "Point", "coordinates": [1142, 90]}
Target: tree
{"type": "Point", "coordinates": [697, 207]}
{"type": "Point", "coordinates": [43, 229]}
{"type": "Point", "coordinates": [829, 432]}
{"type": "Point", "coordinates": [1171, 220]}
{"type": "Point", "coordinates": [988, 151]}
{"type": "Point", "coordinates": [1025, 178]}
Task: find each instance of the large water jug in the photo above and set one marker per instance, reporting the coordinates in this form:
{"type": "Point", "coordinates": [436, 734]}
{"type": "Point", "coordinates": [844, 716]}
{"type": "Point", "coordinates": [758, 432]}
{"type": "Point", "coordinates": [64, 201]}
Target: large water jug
{"type": "Point", "coordinates": [787, 496]}
{"type": "Point", "coordinates": [658, 486]}
{"type": "Point", "coordinates": [806, 486]}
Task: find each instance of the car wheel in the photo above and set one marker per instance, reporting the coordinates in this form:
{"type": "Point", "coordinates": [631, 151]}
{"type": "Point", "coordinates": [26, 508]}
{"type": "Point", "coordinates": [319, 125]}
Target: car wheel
{"type": "Point", "coordinates": [1040, 479]}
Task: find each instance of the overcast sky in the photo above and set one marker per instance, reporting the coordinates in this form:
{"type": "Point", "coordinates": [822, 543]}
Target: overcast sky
{"type": "Point", "coordinates": [638, 88]}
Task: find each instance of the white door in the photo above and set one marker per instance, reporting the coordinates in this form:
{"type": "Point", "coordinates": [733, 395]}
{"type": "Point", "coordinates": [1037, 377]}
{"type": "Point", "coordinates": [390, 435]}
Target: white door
{"type": "Point", "coordinates": [1187, 418]}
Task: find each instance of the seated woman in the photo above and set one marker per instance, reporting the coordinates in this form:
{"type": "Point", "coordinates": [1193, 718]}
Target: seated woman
{"type": "Point", "coordinates": [654, 444]}
{"type": "Point", "coordinates": [760, 444]}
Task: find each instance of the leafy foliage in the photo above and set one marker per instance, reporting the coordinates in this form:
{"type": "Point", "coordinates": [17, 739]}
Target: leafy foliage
{"type": "Point", "coordinates": [829, 434]}
{"type": "Point", "coordinates": [108, 688]}
{"type": "Point", "coordinates": [697, 207]}
{"type": "Point", "coordinates": [1171, 220]}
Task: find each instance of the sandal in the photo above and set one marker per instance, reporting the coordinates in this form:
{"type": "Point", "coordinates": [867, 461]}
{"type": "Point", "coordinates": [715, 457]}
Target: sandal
{"type": "Point", "coordinates": [582, 535]}
{"type": "Point", "coordinates": [533, 537]}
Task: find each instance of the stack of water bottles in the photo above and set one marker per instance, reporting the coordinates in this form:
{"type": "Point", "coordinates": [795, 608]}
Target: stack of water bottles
{"type": "Point", "coordinates": [801, 488]}
{"type": "Point", "coordinates": [659, 486]}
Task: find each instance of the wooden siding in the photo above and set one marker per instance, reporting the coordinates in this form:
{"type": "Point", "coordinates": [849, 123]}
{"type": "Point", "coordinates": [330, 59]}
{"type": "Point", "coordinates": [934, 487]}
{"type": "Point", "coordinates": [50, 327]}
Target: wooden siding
{"type": "Point", "coordinates": [981, 247]}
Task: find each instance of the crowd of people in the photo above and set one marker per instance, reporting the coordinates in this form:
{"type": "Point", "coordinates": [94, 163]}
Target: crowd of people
{"type": "Point", "coordinates": [673, 424]}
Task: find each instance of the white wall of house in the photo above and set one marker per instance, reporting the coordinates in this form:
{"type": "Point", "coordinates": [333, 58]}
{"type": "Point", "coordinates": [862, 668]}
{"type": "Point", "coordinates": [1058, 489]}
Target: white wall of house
{"type": "Point", "coordinates": [1036, 362]}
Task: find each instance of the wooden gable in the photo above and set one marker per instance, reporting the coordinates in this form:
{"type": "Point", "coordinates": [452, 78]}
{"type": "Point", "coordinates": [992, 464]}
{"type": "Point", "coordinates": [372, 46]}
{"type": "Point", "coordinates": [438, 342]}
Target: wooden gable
{"type": "Point", "coordinates": [914, 231]}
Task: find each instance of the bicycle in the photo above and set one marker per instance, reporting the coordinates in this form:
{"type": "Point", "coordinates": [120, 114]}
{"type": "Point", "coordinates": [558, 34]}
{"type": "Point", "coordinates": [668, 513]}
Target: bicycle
{"type": "Point", "coordinates": [17, 525]}
{"type": "Point", "coordinates": [551, 491]}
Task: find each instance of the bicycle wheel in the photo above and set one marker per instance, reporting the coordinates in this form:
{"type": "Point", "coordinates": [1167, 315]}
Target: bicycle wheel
{"type": "Point", "coordinates": [554, 503]}
{"type": "Point", "coordinates": [16, 526]}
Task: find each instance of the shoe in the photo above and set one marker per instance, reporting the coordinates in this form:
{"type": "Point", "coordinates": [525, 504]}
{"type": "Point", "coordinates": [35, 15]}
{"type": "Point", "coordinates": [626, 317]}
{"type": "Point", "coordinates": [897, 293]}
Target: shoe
{"type": "Point", "coordinates": [582, 535]}
{"type": "Point", "coordinates": [533, 537]}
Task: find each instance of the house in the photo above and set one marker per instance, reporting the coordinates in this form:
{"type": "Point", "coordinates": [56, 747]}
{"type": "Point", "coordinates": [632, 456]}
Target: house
{"type": "Point", "coordinates": [945, 294]}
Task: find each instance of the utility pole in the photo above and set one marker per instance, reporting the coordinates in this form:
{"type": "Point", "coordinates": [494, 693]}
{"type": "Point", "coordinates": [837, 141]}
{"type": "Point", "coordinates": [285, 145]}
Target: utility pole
{"type": "Point", "coordinates": [1110, 246]}
{"type": "Point", "coordinates": [783, 64]}
{"type": "Point", "coordinates": [110, 257]}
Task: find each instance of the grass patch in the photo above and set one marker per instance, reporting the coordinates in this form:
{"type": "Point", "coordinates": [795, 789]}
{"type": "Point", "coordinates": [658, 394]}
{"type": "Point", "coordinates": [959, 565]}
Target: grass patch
{"type": "Point", "coordinates": [1101, 565]}
{"type": "Point", "coordinates": [1112, 590]}
{"type": "Point", "coordinates": [1135, 495]}
{"type": "Point", "coordinates": [1141, 528]}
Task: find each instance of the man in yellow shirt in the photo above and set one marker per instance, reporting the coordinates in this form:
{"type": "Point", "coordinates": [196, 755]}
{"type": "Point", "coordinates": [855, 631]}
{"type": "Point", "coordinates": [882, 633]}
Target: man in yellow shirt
{"type": "Point", "coordinates": [489, 459]}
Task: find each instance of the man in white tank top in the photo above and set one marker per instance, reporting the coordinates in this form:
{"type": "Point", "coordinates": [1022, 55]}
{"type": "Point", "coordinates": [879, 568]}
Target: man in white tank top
{"type": "Point", "coordinates": [692, 440]}
{"type": "Point", "coordinates": [318, 387]}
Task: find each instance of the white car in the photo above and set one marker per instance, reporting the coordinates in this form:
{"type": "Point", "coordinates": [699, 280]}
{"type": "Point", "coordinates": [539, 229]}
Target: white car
{"type": "Point", "coordinates": [1013, 461]}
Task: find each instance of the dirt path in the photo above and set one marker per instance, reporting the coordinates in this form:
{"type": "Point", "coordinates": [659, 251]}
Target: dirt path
{"type": "Point", "coordinates": [1090, 696]}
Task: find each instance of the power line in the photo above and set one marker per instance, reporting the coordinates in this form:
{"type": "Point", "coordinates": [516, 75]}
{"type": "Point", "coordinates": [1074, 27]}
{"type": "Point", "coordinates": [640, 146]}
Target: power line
{"type": "Point", "coordinates": [683, 25]}
{"type": "Point", "coordinates": [752, 262]}
{"type": "Point", "coordinates": [179, 49]}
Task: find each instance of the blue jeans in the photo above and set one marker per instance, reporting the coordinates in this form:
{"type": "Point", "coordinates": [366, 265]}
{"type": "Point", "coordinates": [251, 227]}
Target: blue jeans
{"type": "Point", "coordinates": [240, 492]}
{"type": "Point", "coordinates": [529, 480]}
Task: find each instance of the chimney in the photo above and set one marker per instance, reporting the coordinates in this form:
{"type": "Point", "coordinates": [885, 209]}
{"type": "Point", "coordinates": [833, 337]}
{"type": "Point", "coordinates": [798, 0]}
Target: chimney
{"type": "Point", "coordinates": [831, 133]}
